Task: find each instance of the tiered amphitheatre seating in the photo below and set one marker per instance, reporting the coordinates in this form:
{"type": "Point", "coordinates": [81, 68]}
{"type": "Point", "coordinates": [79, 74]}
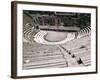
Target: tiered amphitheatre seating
{"type": "Point", "coordinates": [80, 48]}
{"type": "Point", "coordinates": [70, 52]}
{"type": "Point", "coordinates": [26, 34]}
{"type": "Point", "coordinates": [83, 53]}
{"type": "Point", "coordinates": [29, 30]}
{"type": "Point", "coordinates": [42, 56]}
{"type": "Point", "coordinates": [29, 33]}
{"type": "Point", "coordinates": [83, 32]}
{"type": "Point", "coordinates": [39, 37]}
{"type": "Point", "coordinates": [71, 61]}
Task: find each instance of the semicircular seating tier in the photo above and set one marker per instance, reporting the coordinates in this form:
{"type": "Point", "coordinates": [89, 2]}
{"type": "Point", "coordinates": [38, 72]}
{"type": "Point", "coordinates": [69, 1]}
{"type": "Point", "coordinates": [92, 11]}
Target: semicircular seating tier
{"type": "Point", "coordinates": [31, 34]}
